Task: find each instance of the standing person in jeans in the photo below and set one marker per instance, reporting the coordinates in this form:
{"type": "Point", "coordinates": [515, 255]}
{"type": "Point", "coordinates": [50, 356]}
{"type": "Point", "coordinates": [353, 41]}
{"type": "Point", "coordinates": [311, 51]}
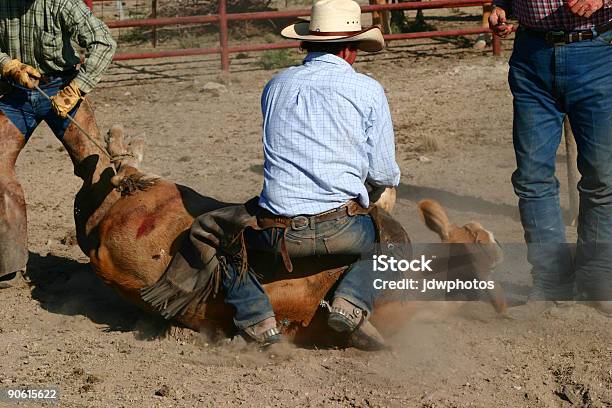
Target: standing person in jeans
{"type": "Point", "coordinates": [36, 49]}
{"type": "Point", "coordinates": [327, 131]}
{"type": "Point", "coordinates": [562, 65]}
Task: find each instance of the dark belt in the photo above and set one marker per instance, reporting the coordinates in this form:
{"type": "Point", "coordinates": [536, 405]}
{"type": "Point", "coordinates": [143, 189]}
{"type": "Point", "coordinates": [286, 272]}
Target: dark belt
{"type": "Point", "coordinates": [564, 37]}
{"type": "Point", "coordinates": [266, 219]}
{"type": "Point", "coordinates": [65, 76]}
{"type": "Point", "coordinates": [300, 222]}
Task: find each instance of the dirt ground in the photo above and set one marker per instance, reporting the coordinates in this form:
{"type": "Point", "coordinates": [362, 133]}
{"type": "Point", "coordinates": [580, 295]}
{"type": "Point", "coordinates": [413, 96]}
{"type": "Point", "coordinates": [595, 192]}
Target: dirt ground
{"type": "Point", "coordinates": [452, 113]}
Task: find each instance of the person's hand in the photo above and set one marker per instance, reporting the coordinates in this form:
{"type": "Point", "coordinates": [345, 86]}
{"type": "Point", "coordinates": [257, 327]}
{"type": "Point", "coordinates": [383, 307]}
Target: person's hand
{"type": "Point", "coordinates": [497, 23]}
{"type": "Point", "coordinates": [66, 100]}
{"type": "Point", "coordinates": [584, 8]}
{"type": "Point", "coordinates": [21, 74]}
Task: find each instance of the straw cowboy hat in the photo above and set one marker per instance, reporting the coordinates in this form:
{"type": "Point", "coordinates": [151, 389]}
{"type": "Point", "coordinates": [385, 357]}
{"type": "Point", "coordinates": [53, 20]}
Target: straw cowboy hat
{"type": "Point", "coordinates": [336, 21]}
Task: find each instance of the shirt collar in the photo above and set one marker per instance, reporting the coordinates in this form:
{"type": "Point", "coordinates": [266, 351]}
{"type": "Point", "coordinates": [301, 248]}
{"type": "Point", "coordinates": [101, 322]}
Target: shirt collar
{"type": "Point", "coordinates": [318, 57]}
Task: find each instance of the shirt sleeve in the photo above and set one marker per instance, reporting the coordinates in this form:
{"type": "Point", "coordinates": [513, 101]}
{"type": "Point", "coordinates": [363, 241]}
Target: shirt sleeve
{"type": "Point", "coordinates": [383, 171]}
{"type": "Point", "coordinates": [93, 36]}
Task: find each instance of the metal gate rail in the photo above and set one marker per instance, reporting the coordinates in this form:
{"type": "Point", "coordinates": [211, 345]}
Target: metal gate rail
{"type": "Point", "coordinates": [222, 19]}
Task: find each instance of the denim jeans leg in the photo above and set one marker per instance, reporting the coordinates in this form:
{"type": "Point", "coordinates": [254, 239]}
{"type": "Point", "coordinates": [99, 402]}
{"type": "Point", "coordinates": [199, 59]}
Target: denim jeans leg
{"type": "Point", "coordinates": [589, 100]}
{"type": "Point", "coordinates": [44, 109]}
{"type": "Point", "coordinates": [357, 283]}
{"type": "Point", "coordinates": [247, 296]}
{"type": "Point", "coordinates": [18, 109]}
{"type": "Point", "coordinates": [537, 133]}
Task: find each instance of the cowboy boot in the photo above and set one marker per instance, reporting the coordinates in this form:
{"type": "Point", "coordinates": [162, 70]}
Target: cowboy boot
{"type": "Point", "coordinates": [346, 317]}
{"type": "Point", "coordinates": [265, 332]}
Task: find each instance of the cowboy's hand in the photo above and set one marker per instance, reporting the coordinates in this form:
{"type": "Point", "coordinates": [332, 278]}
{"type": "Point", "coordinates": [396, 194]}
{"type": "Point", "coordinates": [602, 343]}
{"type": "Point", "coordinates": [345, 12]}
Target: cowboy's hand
{"type": "Point", "coordinates": [66, 100]}
{"type": "Point", "coordinates": [21, 74]}
{"type": "Point", "coordinates": [497, 23]}
{"type": "Point", "coordinates": [584, 8]}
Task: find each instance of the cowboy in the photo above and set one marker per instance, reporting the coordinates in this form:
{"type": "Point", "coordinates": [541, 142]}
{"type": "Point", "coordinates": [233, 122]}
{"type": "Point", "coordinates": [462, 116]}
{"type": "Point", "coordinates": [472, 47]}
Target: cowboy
{"type": "Point", "coordinates": [561, 65]}
{"type": "Point", "coordinates": [327, 131]}
{"type": "Point", "coordinates": [36, 51]}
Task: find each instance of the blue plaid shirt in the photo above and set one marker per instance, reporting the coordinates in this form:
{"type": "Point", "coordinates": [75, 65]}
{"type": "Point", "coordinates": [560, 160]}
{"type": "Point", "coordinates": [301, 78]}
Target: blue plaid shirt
{"type": "Point", "coordinates": [327, 129]}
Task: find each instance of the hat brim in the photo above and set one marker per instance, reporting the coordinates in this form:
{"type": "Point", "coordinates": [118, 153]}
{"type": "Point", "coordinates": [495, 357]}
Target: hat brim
{"type": "Point", "coordinates": [370, 40]}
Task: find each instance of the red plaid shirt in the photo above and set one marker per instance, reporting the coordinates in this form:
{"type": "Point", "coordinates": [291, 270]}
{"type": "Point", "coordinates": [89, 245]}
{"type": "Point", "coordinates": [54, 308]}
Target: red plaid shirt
{"type": "Point", "coordinates": [546, 15]}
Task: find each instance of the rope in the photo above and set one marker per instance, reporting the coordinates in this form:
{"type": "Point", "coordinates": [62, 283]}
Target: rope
{"type": "Point", "coordinates": [75, 123]}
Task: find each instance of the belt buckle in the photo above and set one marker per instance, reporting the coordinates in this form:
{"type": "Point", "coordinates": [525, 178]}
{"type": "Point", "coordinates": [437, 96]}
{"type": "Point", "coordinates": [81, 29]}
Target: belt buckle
{"type": "Point", "coordinates": [556, 37]}
{"type": "Point", "coordinates": [574, 37]}
{"type": "Point", "coordinates": [299, 223]}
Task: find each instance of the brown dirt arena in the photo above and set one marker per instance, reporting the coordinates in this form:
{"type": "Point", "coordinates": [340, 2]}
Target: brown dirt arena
{"type": "Point", "coordinates": [452, 112]}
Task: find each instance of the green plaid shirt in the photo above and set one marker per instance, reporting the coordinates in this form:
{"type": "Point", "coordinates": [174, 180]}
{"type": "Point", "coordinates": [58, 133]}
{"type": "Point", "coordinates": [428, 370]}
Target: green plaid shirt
{"type": "Point", "coordinates": [40, 33]}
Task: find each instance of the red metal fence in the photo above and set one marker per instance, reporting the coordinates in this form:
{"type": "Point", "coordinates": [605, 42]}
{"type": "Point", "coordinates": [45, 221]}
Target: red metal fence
{"type": "Point", "coordinates": [222, 18]}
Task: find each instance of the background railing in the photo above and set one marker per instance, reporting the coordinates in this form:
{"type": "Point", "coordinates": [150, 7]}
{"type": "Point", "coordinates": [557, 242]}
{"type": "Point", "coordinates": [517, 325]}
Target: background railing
{"type": "Point", "coordinates": [222, 18]}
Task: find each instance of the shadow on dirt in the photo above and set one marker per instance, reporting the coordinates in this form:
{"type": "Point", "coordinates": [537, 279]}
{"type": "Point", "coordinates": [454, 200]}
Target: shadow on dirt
{"type": "Point", "coordinates": [456, 201]}
{"type": "Point", "coordinates": [64, 286]}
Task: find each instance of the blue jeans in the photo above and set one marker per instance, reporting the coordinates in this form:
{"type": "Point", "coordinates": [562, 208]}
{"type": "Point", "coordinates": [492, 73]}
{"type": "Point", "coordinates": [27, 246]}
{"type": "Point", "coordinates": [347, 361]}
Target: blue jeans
{"type": "Point", "coordinates": [346, 236]}
{"type": "Point", "coordinates": [26, 108]}
{"type": "Point", "coordinates": [549, 82]}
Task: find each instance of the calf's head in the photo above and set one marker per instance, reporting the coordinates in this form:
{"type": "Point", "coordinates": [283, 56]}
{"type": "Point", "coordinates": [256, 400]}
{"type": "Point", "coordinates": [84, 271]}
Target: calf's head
{"type": "Point", "coordinates": [474, 251]}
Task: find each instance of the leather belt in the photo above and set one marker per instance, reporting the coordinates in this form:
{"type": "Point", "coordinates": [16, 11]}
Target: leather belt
{"type": "Point", "coordinates": [65, 76]}
{"type": "Point", "coordinates": [266, 219]}
{"type": "Point", "coordinates": [564, 37]}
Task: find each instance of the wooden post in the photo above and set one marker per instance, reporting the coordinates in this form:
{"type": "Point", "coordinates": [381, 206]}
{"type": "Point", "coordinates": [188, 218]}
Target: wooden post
{"type": "Point", "coordinates": [497, 49]}
{"type": "Point", "coordinates": [572, 172]}
{"type": "Point", "coordinates": [225, 62]}
{"type": "Point", "coordinates": [381, 18]}
{"type": "Point", "coordinates": [154, 30]}
{"type": "Point", "coordinates": [119, 6]}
